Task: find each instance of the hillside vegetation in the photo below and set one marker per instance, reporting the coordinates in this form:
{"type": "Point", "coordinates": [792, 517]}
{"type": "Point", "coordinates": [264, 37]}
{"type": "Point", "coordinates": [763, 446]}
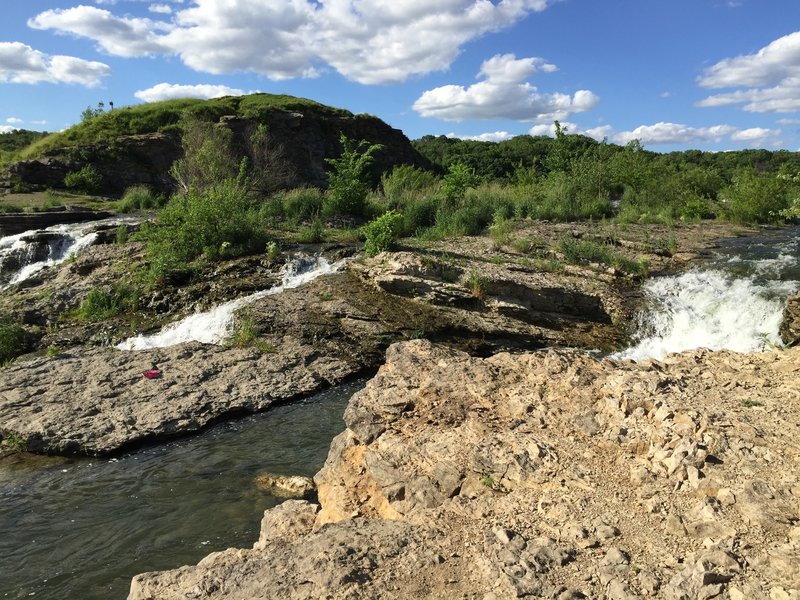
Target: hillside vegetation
{"type": "Point", "coordinates": [165, 116]}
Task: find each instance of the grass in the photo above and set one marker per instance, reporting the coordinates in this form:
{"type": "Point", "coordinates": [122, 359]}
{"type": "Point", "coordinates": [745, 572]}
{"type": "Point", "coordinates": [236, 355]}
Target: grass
{"type": "Point", "coordinates": [247, 335]}
{"type": "Point", "coordinates": [13, 341]}
{"type": "Point", "coordinates": [587, 251]}
{"type": "Point", "coordinates": [477, 284]}
{"type": "Point", "coordinates": [101, 304]}
{"type": "Point", "coordinates": [14, 442]}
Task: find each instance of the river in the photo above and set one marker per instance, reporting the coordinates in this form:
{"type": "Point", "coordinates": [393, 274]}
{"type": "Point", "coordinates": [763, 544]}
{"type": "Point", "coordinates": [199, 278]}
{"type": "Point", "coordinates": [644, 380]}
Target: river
{"type": "Point", "coordinates": [81, 528]}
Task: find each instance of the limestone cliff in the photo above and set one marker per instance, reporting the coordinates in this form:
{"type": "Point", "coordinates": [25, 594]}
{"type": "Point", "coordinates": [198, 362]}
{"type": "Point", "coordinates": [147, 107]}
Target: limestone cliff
{"type": "Point", "coordinates": [546, 474]}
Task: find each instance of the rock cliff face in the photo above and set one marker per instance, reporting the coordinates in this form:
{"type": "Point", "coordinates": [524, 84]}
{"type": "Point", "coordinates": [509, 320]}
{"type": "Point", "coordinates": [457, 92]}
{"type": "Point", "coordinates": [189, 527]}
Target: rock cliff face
{"type": "Point", "coordinates": [790, 327]}
{"type": "Point", "coordinates": [301, 141]}
{"type": "Point", "coordinates": [546, 474]}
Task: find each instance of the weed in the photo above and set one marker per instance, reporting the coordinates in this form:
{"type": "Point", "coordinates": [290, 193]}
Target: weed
{"type": "Point", "coordinates": [750, 403]}
{"type": "Point", "coordinates": [101, 304]}
{"type": "Point", "coordinates": [381, 233]}
{"type": "Point", "coordinates": [13, 341]}
{"type": "Point", "coordinates": [14, 442]}
{"type": "Point", "coordinates": [489, 482]}
{"type": "Point", "coordinates": [477, 284]}
{"type": "Point", "coordinates": [247, 335]}
{"type": "Point", "coordinates": [121, 235]}
{"type": "Point", "coordinates": [52, 351]}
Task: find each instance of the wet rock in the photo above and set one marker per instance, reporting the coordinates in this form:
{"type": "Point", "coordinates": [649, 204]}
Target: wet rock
{"type": "Point", "coordinates": [286, 485]}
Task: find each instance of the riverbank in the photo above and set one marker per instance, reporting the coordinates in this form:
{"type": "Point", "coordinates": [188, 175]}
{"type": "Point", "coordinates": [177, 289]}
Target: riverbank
{"type": "Point", "coordinates": [481, 294]}
{"type": "Point", "coordinates": [549, 474]}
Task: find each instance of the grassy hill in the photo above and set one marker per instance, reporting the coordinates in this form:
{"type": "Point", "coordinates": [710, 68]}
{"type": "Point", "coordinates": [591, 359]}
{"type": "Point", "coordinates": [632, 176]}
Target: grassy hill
{"type": "Point", "coordinates": [165, 116]}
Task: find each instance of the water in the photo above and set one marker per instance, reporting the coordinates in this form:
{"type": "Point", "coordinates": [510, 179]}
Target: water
{"type": "Point", "coordinates": [733, 301]}
{"type": "Point", "coordinates": [213, 326]}
{"type": "Point", "coordinates": [53, 246]}
{"type": "Point", "coordinates": [81, 529]}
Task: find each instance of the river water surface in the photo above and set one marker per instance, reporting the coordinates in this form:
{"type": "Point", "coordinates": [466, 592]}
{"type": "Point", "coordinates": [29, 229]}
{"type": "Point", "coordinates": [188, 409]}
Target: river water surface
{"type": "Point", "coordinates": [80, 529]}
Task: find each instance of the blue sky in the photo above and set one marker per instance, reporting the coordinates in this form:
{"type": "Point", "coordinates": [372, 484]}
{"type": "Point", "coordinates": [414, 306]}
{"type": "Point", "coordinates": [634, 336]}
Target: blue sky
{"type": "Point", "coordinates": [675, 74]}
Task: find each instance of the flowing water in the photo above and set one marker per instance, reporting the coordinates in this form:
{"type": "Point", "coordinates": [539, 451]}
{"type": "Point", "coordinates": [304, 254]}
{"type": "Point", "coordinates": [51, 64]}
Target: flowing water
{"type": "Point", "coordinates": [31, 251]}
{"type": "Point", "coordinates": [82, 528]}
{"type": "Point", "coordinates": [734, 300]}
{"type": "Point", "coordinates": [213, 326]}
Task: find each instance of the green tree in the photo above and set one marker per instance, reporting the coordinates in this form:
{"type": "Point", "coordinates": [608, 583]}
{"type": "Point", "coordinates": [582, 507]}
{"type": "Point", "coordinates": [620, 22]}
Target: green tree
{"type": "Point", "coordinates": [347, 185]}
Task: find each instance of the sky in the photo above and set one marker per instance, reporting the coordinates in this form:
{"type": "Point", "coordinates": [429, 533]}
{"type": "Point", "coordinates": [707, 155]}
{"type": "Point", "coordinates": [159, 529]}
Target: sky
{"type": "Point", "coordinates": [674, 74]}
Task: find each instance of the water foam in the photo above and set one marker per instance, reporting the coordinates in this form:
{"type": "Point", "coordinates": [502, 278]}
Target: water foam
{"type": "Point", "coordinates": [214, 326]}
{"type": "Point", "coordinates": [708, 309]}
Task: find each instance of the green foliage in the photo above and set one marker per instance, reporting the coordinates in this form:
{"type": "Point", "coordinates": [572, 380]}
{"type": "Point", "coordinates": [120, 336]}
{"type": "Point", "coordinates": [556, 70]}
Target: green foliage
{"type": "Point", "coordinates": [105, 303]}
{"type": "Point", "coordinates": [477, 284]}
{"type": "Point", "coordinates": [220, 221]}
{"type": "Point", "coordinates": [89, 113]}
{"type": "Point", "coordinates": [208, 155]}
{"type": "Point", "coordinates": [297, 205]}
{"type": "Point", "coordinates": [458, 180]}
{"type": "Point", "coordinates": [86, 180]}
{"type": "Point", "coordinates": [139, 197]}
{"type": "Point", "coordinates": [405, 181]}
{"type": "Point", "coordinates": [14, 442]}
{"type": "Point", "coordinates": [314, 233]}
{"type": "Point", "coordinates": [14, 141]}
{"type": "Point", "coordinates": [13, 341]}
{"type": "Point", "coordinates": [755, 198]}
{"type": "Point", "coordinates": [347, 186]}
{"type": "Point", "coordinates": [246, 334]}
{"type": "Point", "coordinates": [588, 251]}
{"type": "Point", "coordinates": [121, 235]}
{"type": "Point", "coordinates": [381, 233]}
{"type": "Point", "coordinates": [272, 252]}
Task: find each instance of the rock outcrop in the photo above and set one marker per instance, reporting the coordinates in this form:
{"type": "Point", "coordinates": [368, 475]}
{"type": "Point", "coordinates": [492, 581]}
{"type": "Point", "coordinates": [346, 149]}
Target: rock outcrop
{"type": "Point", "coordinates": [15, 223]}
{"type": "Point", "coordinates": [546, 474]}
{"type": "Point", "coordinates": [790, 326]}
{"type": "Point", "coordinates": [299, 143]}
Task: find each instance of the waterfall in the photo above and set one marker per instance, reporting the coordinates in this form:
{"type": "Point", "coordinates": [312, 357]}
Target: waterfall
{"type": "Point", "coordinates": [734, 302]}
{"type": "Point", "coordinates": [213, 326]}
{"type": "Point", "coordinates": [708, 309]}
{"type": "Point", "coordinates": [27, 253]}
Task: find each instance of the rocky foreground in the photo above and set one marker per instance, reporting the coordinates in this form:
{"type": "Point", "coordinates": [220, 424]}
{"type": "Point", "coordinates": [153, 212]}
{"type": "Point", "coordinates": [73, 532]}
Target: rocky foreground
{"type": "Point", "coordinates": [546, 474]}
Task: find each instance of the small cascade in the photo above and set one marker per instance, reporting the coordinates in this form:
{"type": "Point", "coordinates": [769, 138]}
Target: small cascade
{"type": "Point", "coordinates": [735, 303]}
{"type": "Point", "coordinates": [25, 254]}
{"type": "Point", "coordinates": [214, 326]}
{"type": "Point", "coordinates": [708, 309]}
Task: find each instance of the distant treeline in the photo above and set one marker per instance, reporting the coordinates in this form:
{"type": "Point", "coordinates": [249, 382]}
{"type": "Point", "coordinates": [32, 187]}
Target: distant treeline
{"type": "Point", "coordinates": [18, 139]}
{"type": "Point", "coordinates": [499, 161]}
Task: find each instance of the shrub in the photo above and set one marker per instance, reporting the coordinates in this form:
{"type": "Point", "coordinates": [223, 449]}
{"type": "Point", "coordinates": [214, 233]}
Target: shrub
{"type": "Point", "coordinates": [101, 304]}
{"type": "Point", "coordinates": [406, 180]}
{"type": "Point", "coordinates": [381, 233]}
{"type": "Point", "coordinates": [347, 186]}
{"type": "Point", "coordinates": [139, 197]}
{"type": "Point", "coordinates": [86, 180]}
{"type": "Point", "coordinates": [13, 341]}
{"type": "Point", "coordinates": [298, 205]}
{"type": "Point", "coordinates": [477, 284]}
{"type": "Point", "coordinates": [755, 198]}
{"type": "Point", "coordinates": [583, 251]}
{"type": "Point", "coordinates": [458, 180]}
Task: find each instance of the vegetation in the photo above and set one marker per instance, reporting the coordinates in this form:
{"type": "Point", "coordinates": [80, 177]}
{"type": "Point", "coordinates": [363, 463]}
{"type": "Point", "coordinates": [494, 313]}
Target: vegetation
{"type": "Point", "coordinates": [381, 233]}
{"type": "Point", "coordinates": [347, 186]}
{"type": "Point", "coordinates": [139, 197]}
{"type": "Point", "coordinates": [588, 251]}
{"type": "Point", "coordinates": [86, 180]}
{"type": "Point", "coordinates": [101, 304]}
{"type": "Point", "coordinates": [13, 341]}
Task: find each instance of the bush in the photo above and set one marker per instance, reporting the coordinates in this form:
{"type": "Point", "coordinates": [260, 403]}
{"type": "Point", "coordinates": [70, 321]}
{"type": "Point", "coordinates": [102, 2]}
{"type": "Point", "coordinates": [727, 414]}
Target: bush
{"type": "Point", "coordinates": [86, 180]}
{"type": "Point", "coordinates": [458, 180]}
{"type": "Point", "coordinates": [217, 222]}
{"type": "Point", "coordinates": [347, 186]}
{"type": "Point", "coordinates": [101, 304]}
{"type": "Point", "coordinates": [583, 251]}
{"type": "Point", "coordinates": [405, 180]}
{"type": "Point", "coordinates": [13, 341]}
{"type": "Point", "coordinates": [381, 233]}
{"type": "Point", "coordinates": [755, 198]}
{"type": "Point", "coordinates": [297, 205]}
{"type": "Point", "coordinates": [139, 197]}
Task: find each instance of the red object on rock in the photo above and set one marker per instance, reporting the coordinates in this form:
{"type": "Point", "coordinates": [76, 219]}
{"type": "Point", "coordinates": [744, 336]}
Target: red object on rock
{"type": "Point", "coordinates": [152, 374]}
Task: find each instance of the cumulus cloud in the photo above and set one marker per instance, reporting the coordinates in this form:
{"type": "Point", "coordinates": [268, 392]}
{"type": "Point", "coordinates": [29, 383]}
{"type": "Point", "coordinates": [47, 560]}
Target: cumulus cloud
{"type": "Point", "coordinates": [770, 78]}
{"type": "Point", "coordinates": [168, 91]}
{"type": "Point", "coordinates": [369, 41]}
{"type": "Point", "coordinates": [7, 128]}
{"type": "Point", "coordinates": [755, 134]}
{"type": "Point", "coordinates": [14, 120]}
{"type": "Point", "coordinates": [503, 94]}
{"type": "Point", "coordinates": [494, 136]}
{"type": "Point", "coordinates": [19, 63]}
{"type": "Point", "coordinates": [674, 133]}
{"type": "Point", "coordinates": [164, 9]}
{"type": "Point", "coordinates": [597, 133]}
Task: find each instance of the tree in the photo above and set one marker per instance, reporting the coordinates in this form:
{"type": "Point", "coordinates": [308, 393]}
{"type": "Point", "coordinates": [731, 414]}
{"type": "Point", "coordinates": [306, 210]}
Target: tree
{"type": "Point", "coordinates": [347, 185]}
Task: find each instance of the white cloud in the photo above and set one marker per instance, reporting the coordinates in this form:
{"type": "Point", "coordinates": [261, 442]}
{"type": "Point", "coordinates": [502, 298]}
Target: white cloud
{"type": "Point", "coordinates": [369, 41]}
{"type": "Point", "coordinates": [755, 134]}
{"type": "Point", "coordinates": [597, 133]}
{"type": "Point", "coordinates": [771, 78]}
{"type": "Point", "coordinates": [494, 136]}
{"type": "Point", "coordinates": [503, 94]}
{"type": "Point", "coordinates": [7, 128]}
{"type": "Point", "coordinates": [168, 91]}
{"type": "Point", "coordinates": [127, 36]}
{"type": "Point", "coordinates": [674, 133]}
{"type": "Point", "coordinates": [164, 9]}
{"type": "Point", "coordinates": [14, 120]}
{"type": "Point", "coordinates": [19, 63]}
{"type": "Point", "coordinates": [789, 121]}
